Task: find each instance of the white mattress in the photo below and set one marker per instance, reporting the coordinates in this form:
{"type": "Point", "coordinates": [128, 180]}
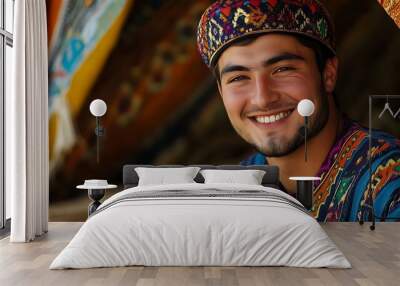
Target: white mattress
{"type": "Point", "coordinates": [202, 231]}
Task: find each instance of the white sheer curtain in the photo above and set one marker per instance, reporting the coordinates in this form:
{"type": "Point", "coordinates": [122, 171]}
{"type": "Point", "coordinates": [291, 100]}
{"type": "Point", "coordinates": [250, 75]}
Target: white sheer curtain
{"type": "Point", "coordinates": [27, 124]}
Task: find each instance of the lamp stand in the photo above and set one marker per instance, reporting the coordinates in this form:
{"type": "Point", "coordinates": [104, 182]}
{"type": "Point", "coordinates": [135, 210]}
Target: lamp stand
{"type": "Point", "coordinates": [99, 131]}
{"type": "Point", "coordinates": [305, 137]}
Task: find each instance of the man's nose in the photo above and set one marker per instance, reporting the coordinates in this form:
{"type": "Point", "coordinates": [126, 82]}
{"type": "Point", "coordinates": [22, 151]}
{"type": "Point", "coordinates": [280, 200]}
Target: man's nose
{"type": "Point", "coordinates": [265, 92]}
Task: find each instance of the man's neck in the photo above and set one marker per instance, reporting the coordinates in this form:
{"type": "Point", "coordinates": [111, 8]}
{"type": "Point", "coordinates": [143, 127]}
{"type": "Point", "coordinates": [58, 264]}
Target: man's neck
{"type": "Point", "coordinates": [318, 148]}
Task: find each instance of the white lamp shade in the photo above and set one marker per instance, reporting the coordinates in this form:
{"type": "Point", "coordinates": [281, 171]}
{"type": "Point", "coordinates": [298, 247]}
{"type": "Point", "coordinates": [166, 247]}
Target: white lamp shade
{"type": "Point", "coordinates": [98, 107]}
{"type": "Point", "coordinates": [305, 107]}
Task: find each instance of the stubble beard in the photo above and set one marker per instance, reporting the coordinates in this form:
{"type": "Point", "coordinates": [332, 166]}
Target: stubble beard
{"type": "Point", "coordinates": [276, 148]}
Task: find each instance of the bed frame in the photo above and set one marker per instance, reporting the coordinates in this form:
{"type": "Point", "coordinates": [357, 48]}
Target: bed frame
{"type": "Point", "coordinates": [271, 178]}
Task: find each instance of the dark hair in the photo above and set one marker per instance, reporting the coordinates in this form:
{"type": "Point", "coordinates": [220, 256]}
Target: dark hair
{"type": "Point", "coordinates": [322, 53]}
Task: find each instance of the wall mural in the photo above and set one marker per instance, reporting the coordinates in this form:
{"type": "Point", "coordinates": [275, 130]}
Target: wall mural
{"type": "Point", "coordinates": [82, 34]}
{"type": "Point", "coordinates": [392, 7]}
{"type": "Point", "coordinates": [141, 58]}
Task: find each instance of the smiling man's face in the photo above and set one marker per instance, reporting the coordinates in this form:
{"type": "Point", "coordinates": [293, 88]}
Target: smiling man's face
{"type": "Point", "coordinates": [261, 85]}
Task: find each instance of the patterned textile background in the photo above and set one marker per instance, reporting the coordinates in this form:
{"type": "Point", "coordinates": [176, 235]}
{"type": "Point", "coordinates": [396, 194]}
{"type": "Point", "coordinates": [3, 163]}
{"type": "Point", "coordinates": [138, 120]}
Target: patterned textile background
{"type": "Point", "coordinates": [392, 7]}
{"type": "Point", "coordinates": [163, 105]}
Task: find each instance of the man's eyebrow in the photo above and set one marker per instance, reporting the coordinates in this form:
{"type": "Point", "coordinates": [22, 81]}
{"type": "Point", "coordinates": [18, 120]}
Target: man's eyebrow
{"type": "Point", "coordinates": [233, 68]}
{"type": "Point", "coordinates": [283, 57]}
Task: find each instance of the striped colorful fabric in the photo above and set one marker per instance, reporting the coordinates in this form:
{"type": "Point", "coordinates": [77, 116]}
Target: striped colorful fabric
{"type": "Point", "coordinates": [343, 190]}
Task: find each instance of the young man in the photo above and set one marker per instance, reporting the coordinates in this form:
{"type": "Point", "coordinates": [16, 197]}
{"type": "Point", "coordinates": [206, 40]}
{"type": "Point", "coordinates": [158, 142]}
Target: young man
{"type": "Point", "coordinates": [269, 55]}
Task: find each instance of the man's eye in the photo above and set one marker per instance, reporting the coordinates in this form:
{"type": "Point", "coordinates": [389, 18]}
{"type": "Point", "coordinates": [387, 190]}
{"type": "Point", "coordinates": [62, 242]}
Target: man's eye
{"type": "Point", "coordinates": [238, 78]}
{"type": "Point", "coordinates": [282, 69]}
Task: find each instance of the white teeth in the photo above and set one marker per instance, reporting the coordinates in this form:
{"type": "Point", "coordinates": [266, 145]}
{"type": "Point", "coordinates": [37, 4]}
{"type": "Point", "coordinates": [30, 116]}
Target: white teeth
{"type": "Point", "coordinates": [272, 118]}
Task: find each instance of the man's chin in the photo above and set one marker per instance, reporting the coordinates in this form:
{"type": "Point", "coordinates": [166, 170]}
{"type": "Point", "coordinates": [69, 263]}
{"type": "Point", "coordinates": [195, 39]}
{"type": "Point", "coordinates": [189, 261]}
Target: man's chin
{"type": "Point", "coordinates": [275, 149]}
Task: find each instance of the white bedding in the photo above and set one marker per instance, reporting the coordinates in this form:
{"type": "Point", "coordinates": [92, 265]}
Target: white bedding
{"type": "Point", "coordinates": [183, 231]}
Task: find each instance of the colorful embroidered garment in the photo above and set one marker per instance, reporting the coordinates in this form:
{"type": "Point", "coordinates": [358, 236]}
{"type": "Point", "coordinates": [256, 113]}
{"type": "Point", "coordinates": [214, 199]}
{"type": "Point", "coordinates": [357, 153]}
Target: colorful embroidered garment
{"type": "Point", "coordinates": [343, 190]}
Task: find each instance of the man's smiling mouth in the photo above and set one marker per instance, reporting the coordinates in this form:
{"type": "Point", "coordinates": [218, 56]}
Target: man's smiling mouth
{"type": "Point", "coordinates": [272, 118]}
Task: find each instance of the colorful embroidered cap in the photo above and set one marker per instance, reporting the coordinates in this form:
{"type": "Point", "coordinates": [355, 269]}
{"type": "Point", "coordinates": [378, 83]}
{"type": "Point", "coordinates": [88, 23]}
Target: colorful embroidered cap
{"type": "Point", "coordinates": [228, 20]}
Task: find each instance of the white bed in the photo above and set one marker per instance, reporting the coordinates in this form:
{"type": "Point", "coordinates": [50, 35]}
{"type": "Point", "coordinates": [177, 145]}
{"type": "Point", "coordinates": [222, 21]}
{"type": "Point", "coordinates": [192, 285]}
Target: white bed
{"type": "Point", "coordinates": [248, 226]}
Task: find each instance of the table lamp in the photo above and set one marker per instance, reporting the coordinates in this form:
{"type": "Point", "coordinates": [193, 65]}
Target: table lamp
{"type": "Point", "coordinates": [305, 108]}
{"type": "Point", "coordinates": [305, 184]}
{"type": "Point", "coordinates": [98, 108]}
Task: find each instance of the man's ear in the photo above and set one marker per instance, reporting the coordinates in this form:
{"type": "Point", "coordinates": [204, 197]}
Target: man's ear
{"type": "Point", "coordinates": [217, 78]}
{"type": "Point", "coordinates": [330, 74]}
{"type": "Point", "coordinates": [219, 88]}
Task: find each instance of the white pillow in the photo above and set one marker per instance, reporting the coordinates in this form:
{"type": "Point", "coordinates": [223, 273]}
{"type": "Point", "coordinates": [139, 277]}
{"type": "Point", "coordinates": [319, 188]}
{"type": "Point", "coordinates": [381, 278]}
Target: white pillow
{"type": "Point", "coordinates": [248, 177]}
{"type": "Point", "coordinates": [162, 176]}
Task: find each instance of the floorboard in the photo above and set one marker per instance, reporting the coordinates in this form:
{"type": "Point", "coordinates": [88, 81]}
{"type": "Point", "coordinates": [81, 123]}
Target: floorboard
{"type": "Point", "coordinates": [375, 257]}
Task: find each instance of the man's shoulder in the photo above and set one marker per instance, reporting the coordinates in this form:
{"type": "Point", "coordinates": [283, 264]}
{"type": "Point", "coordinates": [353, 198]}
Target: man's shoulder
{"type": "Point", "coordinates": [254, 159]}
{"type": "Point", "coordinates": [378, 137]}
{"type": "Point", "coordinates": [384, 147]}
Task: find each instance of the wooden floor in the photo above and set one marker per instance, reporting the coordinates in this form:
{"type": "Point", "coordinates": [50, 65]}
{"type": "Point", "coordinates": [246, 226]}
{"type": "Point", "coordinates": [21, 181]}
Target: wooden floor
{"type": "Point", "coordinates": [375, 256]}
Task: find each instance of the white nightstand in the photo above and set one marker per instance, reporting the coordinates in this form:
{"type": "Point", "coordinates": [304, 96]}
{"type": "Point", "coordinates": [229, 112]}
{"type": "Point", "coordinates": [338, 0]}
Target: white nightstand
{"type": "Point", "coordinates": [96, 190]}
